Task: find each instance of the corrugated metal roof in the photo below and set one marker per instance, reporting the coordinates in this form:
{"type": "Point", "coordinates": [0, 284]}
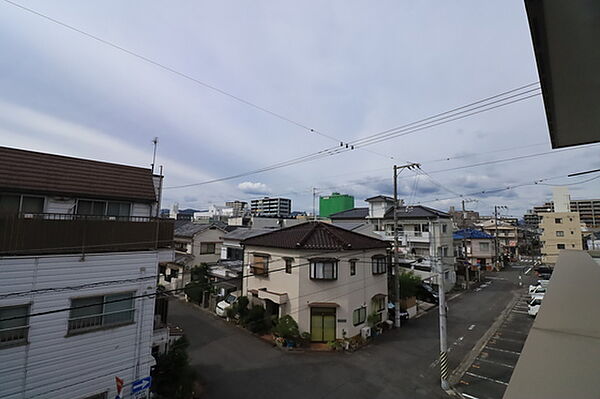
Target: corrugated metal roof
{"type": "Point", "coordinates": [243, 233]}
{"type": "Point", "coordinates": [36, 172]}
{"type": "Point", "coordinates": [316, 235]}
{"type": "Point", "coordinates": [470, 233]}
{"type": "Point", "coordinates": [190, 228]}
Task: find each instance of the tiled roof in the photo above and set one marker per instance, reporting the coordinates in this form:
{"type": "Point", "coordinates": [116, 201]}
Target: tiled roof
{"type": "Point", "coordinates": [355, 213]}
{"type": "Point", "coordinates": [470, 233]}
{"type": "Point", "coordinates": [36, 172]}
{"type": "Point", "coordinates": [190, 229]}
{"type": "Point", "coordinates": [243, 232]}
{"type": "Point", "coordinates": [380, 198]}
{"type": "Point", "coordinates": [316, 235]}
{"type": "Point", "coordinates": [416, 212]}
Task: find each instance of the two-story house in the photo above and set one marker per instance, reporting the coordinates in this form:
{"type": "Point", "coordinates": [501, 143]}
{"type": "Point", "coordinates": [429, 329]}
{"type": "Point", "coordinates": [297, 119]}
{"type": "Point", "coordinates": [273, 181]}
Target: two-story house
{"type": "Point", "coordinates": [474, 246]}
{"type": "Point", "coordinates": [506, 234]}
{"type": "Point", "coordinates": [79, 253]}
{"type": "Point", "coordinates": [329, 279]}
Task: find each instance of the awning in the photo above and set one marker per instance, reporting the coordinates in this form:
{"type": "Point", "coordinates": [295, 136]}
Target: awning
{"type": "Point", "coordinates": [278, 298]}
{"type": "Point", "coordinates": [376, 296]}
{"type": "Point", "coordinates": [323, 305]}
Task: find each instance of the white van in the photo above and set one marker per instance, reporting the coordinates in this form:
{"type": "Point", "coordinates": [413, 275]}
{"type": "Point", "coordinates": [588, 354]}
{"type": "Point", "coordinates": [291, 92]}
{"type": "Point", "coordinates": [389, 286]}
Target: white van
{"type": "Point", "coordinates": [221, 309]}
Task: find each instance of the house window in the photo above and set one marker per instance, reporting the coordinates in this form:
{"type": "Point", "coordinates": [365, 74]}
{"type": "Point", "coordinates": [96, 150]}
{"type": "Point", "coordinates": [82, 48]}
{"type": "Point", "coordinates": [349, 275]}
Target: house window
{"type": "Point", "coordinates": [288, 265]}
{"type": "Point", "coordinates": [14, 203]}
{"type": "Point", "coordinates": [444, 251]}
{"type": "Point", "coordinates": [174, 273]}
{"type": "Point", "coordinates": [323, 269]}
{"type": "Point", "coordinates": [378, 264]}
{"type": "Point", "coordinates": [14, 328]}
{"type": "Point", "coordinates": [558, 220]}
{"type": "Point", "coordinates": [359, 316]}
{"type": "Point", "coordinates": [444, 228]}
{"type": "Point", "coordinates": [121, 209]}
{"type": "Point", "coordinates": [181, 246]}
{"type": "Point", "coordinates": [92, 313]}
{"type": "Point", "coordinates": [560, 246]}
{"type": "Point", "coordinates": [207, 248]}
{"type": "Point", "coordinates": [484, 246]}
{"type": "Point", "coordinates": [353, 267]}
{"type": "Point", "coordinates": [425, 227]}
{"type": "Point", "coordinates": [560, 233]}
{"type": "Point", "coordinates": [260, 264]}
{"type": "Point", "coordinates": [91, 208]}
{"type": "Point", "coordinates": [378, 303]}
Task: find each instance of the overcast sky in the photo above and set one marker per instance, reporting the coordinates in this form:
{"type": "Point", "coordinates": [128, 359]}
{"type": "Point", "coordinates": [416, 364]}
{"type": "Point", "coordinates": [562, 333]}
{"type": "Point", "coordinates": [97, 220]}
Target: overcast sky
{"type": "Point", "coordinates": [345, 68]}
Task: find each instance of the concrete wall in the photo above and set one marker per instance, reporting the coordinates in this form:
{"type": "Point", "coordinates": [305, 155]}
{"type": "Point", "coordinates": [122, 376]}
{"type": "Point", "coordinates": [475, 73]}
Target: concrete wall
{"type": "Point", "coordinates": [54, 365]}
{"type": "Point", "coordinates": [570, 227]}
{"type": "Point", "coordinates": [207, 236]}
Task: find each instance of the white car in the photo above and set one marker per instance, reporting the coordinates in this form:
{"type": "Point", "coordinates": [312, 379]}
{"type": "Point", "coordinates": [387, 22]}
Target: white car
{"type": "Point", "coordinates": [534, 307]}
{"type": "Point", "coordinates": [222, 306]}
{"type": "Point", "coordinates": [537, 292]}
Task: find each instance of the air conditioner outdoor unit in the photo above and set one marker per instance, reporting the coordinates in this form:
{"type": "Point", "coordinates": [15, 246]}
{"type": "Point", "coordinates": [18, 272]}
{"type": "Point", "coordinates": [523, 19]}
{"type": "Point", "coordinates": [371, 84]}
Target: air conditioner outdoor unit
{"type": "Point", "coordinates": [365, 332]}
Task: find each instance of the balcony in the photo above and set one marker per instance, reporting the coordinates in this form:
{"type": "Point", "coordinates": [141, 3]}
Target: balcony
{"type": "Point", "coordinates": [32, 234]}
{"type": "Point", "coordinates": [408, 236]}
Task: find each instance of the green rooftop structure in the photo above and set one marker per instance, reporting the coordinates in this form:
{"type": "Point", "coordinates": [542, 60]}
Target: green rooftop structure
{"type": "Point", "coordinates": [334, 203]}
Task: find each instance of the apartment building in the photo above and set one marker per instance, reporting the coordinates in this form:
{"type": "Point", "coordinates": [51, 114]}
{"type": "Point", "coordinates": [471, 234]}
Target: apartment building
{"type": "Point", "coordinates": [327, 278]}
{"type": "Point", "coordinates": [560, 230]}
{"type": "Point", "coordinates": [588, 209]}
{"type": "Point", "coordinates": [279, 207]}
{"type": "Point", "coordinates": [79, 255]}
{"type": "Point", "coordinates": [423, 232]}
{"type": "Point", "coordinates": [506, 235]}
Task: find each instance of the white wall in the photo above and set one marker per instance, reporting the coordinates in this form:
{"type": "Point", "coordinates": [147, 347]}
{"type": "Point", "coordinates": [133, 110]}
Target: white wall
{"type": "Point", "coordinates": [53, 365]}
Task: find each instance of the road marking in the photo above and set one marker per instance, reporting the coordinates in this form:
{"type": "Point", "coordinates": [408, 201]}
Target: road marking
{"type": "Point", "coordinates": [466, 395]}
{"type": "Point", "coordinates": [486, 378]}
{"type": "Point", "coordinates": [503, 350]}
{"type": "Point", "coordinates": [520, 312]}
{"type": "Point", "coordinates": [471, 327]}
{"type": "Point", "coordinates": [492, 362]}
{"type": "Point", "coordinates": [509, 340]}
{"type": "Point", "coordinates": [495, 278]}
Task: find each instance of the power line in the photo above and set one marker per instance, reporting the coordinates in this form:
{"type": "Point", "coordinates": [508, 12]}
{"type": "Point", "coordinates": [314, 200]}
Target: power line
{"type": "Point", "coordinates": [342, 149]}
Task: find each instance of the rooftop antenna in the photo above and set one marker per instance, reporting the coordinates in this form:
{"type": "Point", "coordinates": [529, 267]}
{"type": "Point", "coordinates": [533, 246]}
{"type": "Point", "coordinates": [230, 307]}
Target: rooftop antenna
{"type": "Point", "coordinates": [155, 143]}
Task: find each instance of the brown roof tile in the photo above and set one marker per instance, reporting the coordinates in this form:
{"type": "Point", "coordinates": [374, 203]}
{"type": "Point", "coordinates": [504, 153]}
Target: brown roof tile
{"type": "Point", "coordinates": [315, 235]}
{"type": "Point", "coordinates": [28, 171]}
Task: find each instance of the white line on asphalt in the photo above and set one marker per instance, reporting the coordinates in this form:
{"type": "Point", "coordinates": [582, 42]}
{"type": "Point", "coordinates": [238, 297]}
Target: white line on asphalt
{"type": "Point", "coordinates": [485, 378]}
{"type": "Point", "coordinates": [492, 362]}
{"type": "Point", "coordinates": [466, 395]}
{"type": "Point", "coordinates": [503, 350]}
{"type": "Point", "coordinates": [519, 312]}
{"type": "Point", "coordinates": [495, 278]}
{"type": "Point", "coordinates": [471, 327]}
{"type": "Point", "coordinates": [507, 339]}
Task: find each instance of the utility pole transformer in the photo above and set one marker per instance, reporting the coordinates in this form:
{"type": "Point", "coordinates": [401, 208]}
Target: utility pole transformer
{"type": "Point", "coordinates": [397, 322]}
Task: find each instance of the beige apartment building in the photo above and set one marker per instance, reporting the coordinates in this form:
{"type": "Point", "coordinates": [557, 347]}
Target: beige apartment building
{"type": "Point", "coordinates": [560, 230]}
{"type": "Point", "coordinates": [329, 279]}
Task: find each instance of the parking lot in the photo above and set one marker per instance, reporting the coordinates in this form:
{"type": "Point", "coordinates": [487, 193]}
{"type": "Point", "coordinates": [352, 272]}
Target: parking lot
{"type": "Point", "coordinates": [489, 374]}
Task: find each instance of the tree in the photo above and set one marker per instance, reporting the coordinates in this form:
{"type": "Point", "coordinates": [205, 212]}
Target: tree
{"type": "Point", "coordinates": [287, 328]}
{"type": "Point", "coordinates": [173, 377]}
{"type": "Point", "coordinates": [200, 283]}
{"type": "Point", "coordinates": [409, 284]}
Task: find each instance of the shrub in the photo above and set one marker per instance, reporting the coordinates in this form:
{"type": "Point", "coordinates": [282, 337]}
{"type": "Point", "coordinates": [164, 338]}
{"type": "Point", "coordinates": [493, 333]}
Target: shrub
{"type": "Point", "coordinates": [373, 319]}
{"type": "Point", "coordinates": [194, 291]}
{"type": "Point", "coordinates": [173, 377]}
{"type": "Point", "coordinates": [255, 320]}
{"type": "Point", "coordinates": [409, 284]}
{"type": "Point", "coordinates": [241, 307]}
{"type": "Point", "coordinates": [287, 328]}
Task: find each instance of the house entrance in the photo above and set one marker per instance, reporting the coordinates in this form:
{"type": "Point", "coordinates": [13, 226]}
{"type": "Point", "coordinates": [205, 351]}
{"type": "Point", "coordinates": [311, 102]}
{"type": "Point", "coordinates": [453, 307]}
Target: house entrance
{"type": "Point", "coordinates": [322, 324]}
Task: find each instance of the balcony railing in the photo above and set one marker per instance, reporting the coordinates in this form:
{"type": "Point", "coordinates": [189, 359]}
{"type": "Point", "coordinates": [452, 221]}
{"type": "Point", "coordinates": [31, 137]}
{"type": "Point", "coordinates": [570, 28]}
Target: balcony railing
{"type": "Point", "coordinates": [51, 233]}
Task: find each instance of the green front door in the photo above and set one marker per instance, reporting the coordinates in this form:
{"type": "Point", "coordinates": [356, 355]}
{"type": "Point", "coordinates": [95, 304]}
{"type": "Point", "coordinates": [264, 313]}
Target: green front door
{"type": "Point", "coordinates": [322, 324]}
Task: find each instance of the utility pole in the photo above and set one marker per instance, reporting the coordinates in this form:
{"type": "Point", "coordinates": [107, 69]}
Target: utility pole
{"type": "Point", "coordinates": [442, 310]}
{"type": "Point", "coordinates": [464, 243]}
{"type": "Point", "coordinates": [314, 203]}
{"type": "Point", "coordinates": [397, 168]}
{"type": "Point", "coordinates": [496, 243]}
{"type": "Point", "coordinates": [155, 143]}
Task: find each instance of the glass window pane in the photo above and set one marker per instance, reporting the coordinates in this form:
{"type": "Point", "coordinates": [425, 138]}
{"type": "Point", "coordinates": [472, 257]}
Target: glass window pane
{"type": "Point", "coordinates": [118, 209]}
{"type": "Point", "coordinates": [9, 203]}
{"type": "Point", "coordinates": [90, 307]}
{"type": "Point", "coordinates": [98, 208]}
{"type": "Point", "coordinates": [19, 313]}
{"type": "Point", "coordinates": [32, 204]}
{"type": "Point", "coordinates": [118, 312]}
{"type": "Point", "coordinates": [84, 207]}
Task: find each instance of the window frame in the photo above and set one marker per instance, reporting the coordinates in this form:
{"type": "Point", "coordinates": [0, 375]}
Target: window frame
{"type": "Point", "coordinates": [24, 339]}
{"type": "Point", "coordinates": [376, 266]}
{"type": "Point", "coordinates": [103, 324]}
{"type": "Point", "coordinates": [486, 245]}
{"type": "Point", "coordinates": [353, 263]}
{"type": "Point", "coordinates": [563, 246]}
{"type": "Point", "coordinates": [380, 302]}
{"type": "Point", "coordinates": [20, 198]}
{"type": "Point", "coordinates": [560, 233]}
{"type": "Point", "coordinates": [557, 220]}
{"type": "Point", "coordinates": [264, 270]}
{"type": "Point", "coordinates": [288, 264]}
{"type": "Point", "coordinates": [205, 243]}
{"type": "Point", "coordinates": [364, 316]}
{"type": "Point", "coordinates": [313, 272]}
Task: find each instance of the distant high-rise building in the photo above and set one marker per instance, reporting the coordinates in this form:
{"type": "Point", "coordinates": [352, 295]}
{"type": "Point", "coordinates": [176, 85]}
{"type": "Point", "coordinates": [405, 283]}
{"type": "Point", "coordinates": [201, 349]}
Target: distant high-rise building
{"type": "Point", "coordinates": [239, 208]}
{"type": "Point", "coordinates": [334, 203]}
{"type": "Point", "coordinates": [588, 209]}
{"type": "Point", "coordinates": [279, 207]}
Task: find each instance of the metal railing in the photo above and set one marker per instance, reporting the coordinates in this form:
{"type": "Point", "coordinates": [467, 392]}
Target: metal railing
{"type": "Point", "coordinates": [106, 319]}
{"type": "Point", "coordinates": [13, 335]}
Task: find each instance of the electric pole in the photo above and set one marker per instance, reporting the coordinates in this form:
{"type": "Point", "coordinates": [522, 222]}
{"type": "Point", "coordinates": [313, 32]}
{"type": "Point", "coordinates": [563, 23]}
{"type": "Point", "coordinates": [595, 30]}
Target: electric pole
{"type": "Point", "coordinates": [314, 203]}
{"type": "Point", "coordinates": [496, 244]}
{"type": "Point", "coordinates": [397, 168]}
{"type": "Point", "coordinates": [464, 241]}
{"type": "Point", "coordinates": [155, 143]}
{"type": "Point", "coordinates": [439, 267]}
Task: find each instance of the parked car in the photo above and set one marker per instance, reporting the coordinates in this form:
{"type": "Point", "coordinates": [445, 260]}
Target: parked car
{"type": "Point", "coordinates": [221, 309]}
{"type": "Point", "coordinates": [540, 287]}
{"type": "Point", "coordinates": [534, 307]}
{"type": "Point", "coordinates": [427, 293]}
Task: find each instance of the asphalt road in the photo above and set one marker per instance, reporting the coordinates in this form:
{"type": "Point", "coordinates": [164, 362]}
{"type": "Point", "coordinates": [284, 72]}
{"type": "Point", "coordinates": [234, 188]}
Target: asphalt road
{"type": "Point", "coordinates": [399, 364]}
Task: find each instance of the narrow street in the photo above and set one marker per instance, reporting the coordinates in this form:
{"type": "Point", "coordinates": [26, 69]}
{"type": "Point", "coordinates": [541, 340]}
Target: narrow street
{"type": "Point", "coordinates": [401, 363]}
